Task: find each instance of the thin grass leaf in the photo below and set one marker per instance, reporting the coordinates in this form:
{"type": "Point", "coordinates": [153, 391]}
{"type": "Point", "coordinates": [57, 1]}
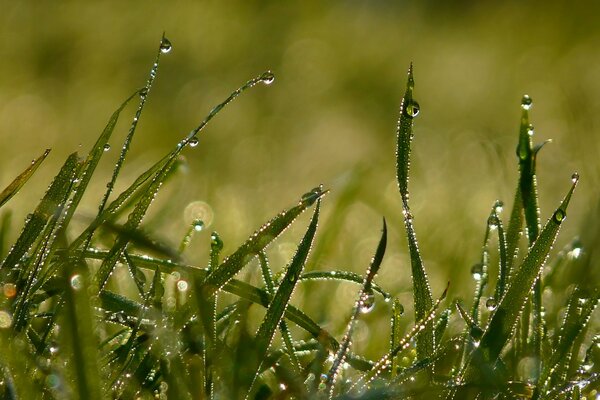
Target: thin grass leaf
{"type": "Point", "coordinates": [395, 333]}
{"type": "Point", "coordinates": [342, 276]}
{"type": "Point", "coordinates": [364, 303]}
{"type": "Point", "coordinates": [20, 180]}
{"type": "Point", "coordinates": [5, 223]}
{"type": "Point", "coordinates": [48, 206]}
{"type": "Point", "coordinates": [503, 320]}
{"type": "Point", "coordinates": [422, 291]}
{"type": "Point", "coordinates": [281, 298]}
{"type": "Point", "coordinates": [219, 276]}
{"type": "Point", "coordinates": [503, 264]}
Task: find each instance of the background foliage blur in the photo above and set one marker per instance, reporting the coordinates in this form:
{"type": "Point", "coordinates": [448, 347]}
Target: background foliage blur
{"type": "Point", "coordinates": [330, 116]}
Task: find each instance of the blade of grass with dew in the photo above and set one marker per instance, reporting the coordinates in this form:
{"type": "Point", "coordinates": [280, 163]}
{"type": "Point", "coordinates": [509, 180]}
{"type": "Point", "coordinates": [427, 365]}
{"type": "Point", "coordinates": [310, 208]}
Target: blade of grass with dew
{"type": "Point", "coordinates": [342, 276]}
{"type": "Point", "coordinates": [395, 333]}
{"type": "Point", "coordinates": [474, 331]}
{"type": "Point", "coordinates": [507, 312]}
{"type": "Point", "coordinates": [281, 298]}
{"type": "Point", "coordinates": [20, 180]}
{"type": "Point", "coordinates": [78, 326]}
{"type": "Point", "coordinates": [55, 195]}
{"type": "Point", "coordinates": [423, 300]}
{"type": "Point", "coordinates": [384, 363]}
{"type": "Point", "coordinates": [503, 263]}
{"type": "Point", "coordinates": [257, 242]}
{"type": "Point", "coordinates": [283, 327]}
{"type": "Point", "coordinates": [364, 303]}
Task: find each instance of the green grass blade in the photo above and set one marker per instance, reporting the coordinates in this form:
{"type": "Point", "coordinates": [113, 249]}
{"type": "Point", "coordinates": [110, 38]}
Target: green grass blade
{"type": "Point", "coordinates": [5, 223]}
{"type": "Point", "coordinates": [50, 203]}
{"type": "Point", "coordinates": [395, 333]}
{"type": "Point", "coordinates": [513, 232]}
{"type": "Point", "coordinates": [503, 265]}
{"type": "Point", "coordinates": [364, 303]}
{"type": "Point", "coordinates": [342, 276]}
{"type": "Point", "coordinates": [281, 298]}
{"type": "Point", "coordinates": [256, 243]}
{"type": "Point", "coordinates": [503, 320]}
{"type": "Point", "coordinates": [20, 180]}
{"type": "Point", "coordinates": [422, 291]}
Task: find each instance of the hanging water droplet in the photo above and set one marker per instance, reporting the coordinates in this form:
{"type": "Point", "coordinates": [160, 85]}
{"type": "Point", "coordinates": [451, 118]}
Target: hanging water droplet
{"type": "Point", "coordinates": [194, 142]}
{"type": "Point", "coordinates": [530, 130]}
{"type": "Point", "coordinates": [490, 304]}
{"type": "Point", "coordinates": [76, 282]}
{"type": "Point", "coordinates": [575, 177]}
{"type": "Point", "coordinates": [215, 241]}
{"type": "Point", "coordinates": [367, 301]}
{"type": "Point", "coordinates": [493, 222]}
{"type": "Point", "coordinates": [498, 206]}
{"type": "Point", "coordinates": [526, 102]}
{"type": "Point", "coordinates": [559, 216]}
{"type": "Point", "coordinates": [267, 78]}
{"type": "Point", "coordinates": [477, 271]}
{"type": "Point", "coordinates": [144, 92]}
{"type": "Point", "coordinates": [412, 109]}
{"type": "Point", "coordinates": [106, 147]}
{"type": "Point", "coordinates": [198, 225]}
{"type": "Point", "coordinates": [165, 45]}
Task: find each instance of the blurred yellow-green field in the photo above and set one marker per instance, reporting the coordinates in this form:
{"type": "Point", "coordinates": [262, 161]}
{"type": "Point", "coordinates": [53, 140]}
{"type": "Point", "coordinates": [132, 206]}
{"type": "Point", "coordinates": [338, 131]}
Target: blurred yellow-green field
{"type": "Point", "coordinates": [330, 117]}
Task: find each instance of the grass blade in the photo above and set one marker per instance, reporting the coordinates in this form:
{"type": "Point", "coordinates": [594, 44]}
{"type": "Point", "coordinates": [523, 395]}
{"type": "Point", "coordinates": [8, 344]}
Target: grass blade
{"type": "Point", "coordinates": [20, 180]}
{"type": "Point", "coordinates": [422, 292]}
{"type": "Point", "coordinates": [280, 300]}
{"type": "Point", "coordinates": [218, 277]}
{"type": "Point", "coordinates": [503, 320]}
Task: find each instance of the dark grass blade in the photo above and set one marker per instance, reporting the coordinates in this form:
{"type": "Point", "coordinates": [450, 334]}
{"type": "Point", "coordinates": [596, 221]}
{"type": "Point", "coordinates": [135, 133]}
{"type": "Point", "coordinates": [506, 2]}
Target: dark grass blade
{"type": "Point", "coordinates": [364, 301]}
{"type": "Point", "coordinates": [422, 292]}
{"type": "Point", "coordinates": [20, 180]}
{"type": "Point", "coordinates": [281, 298]}
{"type": "Point", "coordinates": [395, 333]}
{"type": "Point", "coordinates": [257, 243]}
{"type": "Point", "coordinates": [503, 321]}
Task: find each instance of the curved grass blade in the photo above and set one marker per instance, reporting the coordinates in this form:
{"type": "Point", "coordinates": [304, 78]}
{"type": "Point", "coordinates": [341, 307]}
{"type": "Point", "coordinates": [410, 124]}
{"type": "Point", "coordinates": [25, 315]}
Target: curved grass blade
{"type": "Point", "coordinates": [364, 302]}
{"type": "Point", "coordinates": [20, 180]}
{"type": "Point", "coordinates": [503, 320]}
{"type": "Point", "coordinates": [342, 276]}
{"type": "Point", "coordinates": [218, 277]}
{"type": "Point", "coordinates": [281, 298]}
{"type": "Point", "coordinates": [422, 291]}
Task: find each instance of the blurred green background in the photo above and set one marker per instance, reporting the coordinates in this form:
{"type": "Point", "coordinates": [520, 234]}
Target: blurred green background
{"type": "Point", "coordinates": [330, 117]}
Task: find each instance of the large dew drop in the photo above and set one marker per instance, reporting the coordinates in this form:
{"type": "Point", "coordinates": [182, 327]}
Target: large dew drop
{"type": "Point", "coordinates": [559, 216]}
{"type": "Point", "coordinates": [194, 142]}
{"type": "Point", "coordinates": [165, 46]}
{"type": "Point", "coordinates": [267, 78]}
{"type": "Point", "coordinates": [412, 109]}
{"type": "Point", "coordinates": [367, 301]}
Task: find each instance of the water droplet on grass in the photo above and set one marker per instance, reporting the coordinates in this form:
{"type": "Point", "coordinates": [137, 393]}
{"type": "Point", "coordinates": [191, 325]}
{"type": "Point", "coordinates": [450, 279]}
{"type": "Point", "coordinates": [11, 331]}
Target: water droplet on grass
{"type": "Point", "coordinates": [493, 222]}
{"type": "Point", "coordinates": [198, 225]}
{"type": "Point", "coordinates": [215, 241]}
{"type": "Point", "coordinates": [530, 130]}
{"type": "Point", "coordinates": [490, 304]}
{"type": "Point", "coordinates": [412, 109]}
{"type": "Point", "coordinates": [106, 147]}
{"type": "Point", "coordinates": [498, 206]}
{"type": "Point", "coordinates": [477, 271]}
{"type": "Point", "coordinates": [144, 93]}
{"type": "Point", "coordinates": [165, 46]}
{"type": "Point", "coordinates": [267, 78]}
{"type": "Point", "coordinates": [76, 282]}
{"type": "Point", "coordinates": [575, 177]}
{"type": "Point", "coordinates": [559, 216]}
{"type": "Point", "coordinates": [194, 142]}
{"type": "Point", "coordinates": [526, 102]}
{"type": "Point", "coordinates": [367, 301]}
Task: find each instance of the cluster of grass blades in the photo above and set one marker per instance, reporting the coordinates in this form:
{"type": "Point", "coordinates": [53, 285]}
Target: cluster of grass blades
{"type": "Point", "coordinates": [172, 330]}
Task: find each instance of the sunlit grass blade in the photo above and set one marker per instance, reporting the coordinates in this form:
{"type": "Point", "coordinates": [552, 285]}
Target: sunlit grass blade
{"type": "Point", "coordinates": [423, 300]}
{"type": "Point", "coordinates": [257, 242]}
{"type": "Point", "coordinates": [20, 180]}
{"type": "Point", "coordinates": [364, 303]}
{"type": "Point", "coordinates": [502, 322]}
{"type": "Point", "coordinates": [281, 298]}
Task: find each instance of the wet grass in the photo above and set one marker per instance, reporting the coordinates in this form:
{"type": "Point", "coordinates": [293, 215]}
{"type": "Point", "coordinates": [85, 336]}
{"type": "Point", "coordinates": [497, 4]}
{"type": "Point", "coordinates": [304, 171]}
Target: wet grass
{"type": "Point", "coordinates": [112, 312]}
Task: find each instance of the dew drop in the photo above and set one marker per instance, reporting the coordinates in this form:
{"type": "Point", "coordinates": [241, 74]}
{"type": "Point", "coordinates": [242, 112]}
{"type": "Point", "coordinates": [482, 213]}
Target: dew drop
{"type": "Point", "coordinates": [165, 46]}
{"type": "Point", "coordinates": [144, 92]}
{"type": "Point", "coordinates": [412, 109]}
{"type": "Point", "coordinates": [182, 285]}
{"type": "Point", "coordinates": [575, 177]}
{"type": "Point", "coordinates": [194, 142]}
{"type": "Point", "coordinates": [530, 130]}
{"type": "Point", "coordinates": [76, 282]}
{"type": "Point", "coordinates": [477, 271]}
{"type": "Point", "coordinates": [490, 304]}
{"type": "Point", "coordinates": [215, 241]}
{"type": "Point", "coordinates": [310, 197]}
{"type": "Point", "coordinates": [476, 333]}
{"type": "Point", "coordinates": [559, 216]}
{"type": "Point", "coordinates": [493, 222]}
{"type": "Point", "coordinates": [267, 78]}
{"type": "Point", "coordinates": [106, 147]}
{"type": "Point", "coordinates": [526, 102]}
{"type": "Point", "coordinates": [198, 225]}
{"type": "Point", "coordinates": [367, 301]}
{"type": "Point", "coordinates": [399, 308]}
{"type": "Point", "coordinates": [498, 206]}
